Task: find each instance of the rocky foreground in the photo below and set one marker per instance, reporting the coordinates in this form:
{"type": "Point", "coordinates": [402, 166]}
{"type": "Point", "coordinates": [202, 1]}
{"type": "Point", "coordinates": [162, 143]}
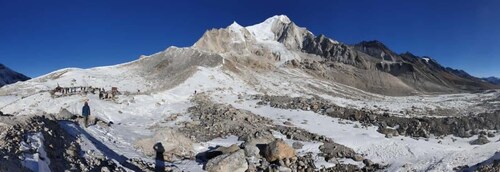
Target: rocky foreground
{"type": "Point", "coordinates": [260, 150]}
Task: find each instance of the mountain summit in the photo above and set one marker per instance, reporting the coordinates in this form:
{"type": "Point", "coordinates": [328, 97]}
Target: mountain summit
{"type": "Point", "coordinates": [368, 65]}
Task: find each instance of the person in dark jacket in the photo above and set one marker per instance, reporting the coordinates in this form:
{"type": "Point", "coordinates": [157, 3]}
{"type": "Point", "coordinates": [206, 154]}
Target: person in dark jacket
{"type": "Point", "coordinates": [86, 113]}
{"type": "Point", "coordinates": [160, 160]}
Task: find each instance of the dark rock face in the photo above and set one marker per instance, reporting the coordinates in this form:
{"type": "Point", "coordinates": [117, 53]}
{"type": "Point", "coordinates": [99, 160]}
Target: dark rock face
{"type": "Point", "coordinates": [493, 80]}
{"type": "Point", "coordinates": [332, 51]}
{"type": "Point", "coordinates": [8, 76]}
{"type": "Point", "coordinates": [376, 49]}
{"type": "Point", "coordinates": [396, 69]}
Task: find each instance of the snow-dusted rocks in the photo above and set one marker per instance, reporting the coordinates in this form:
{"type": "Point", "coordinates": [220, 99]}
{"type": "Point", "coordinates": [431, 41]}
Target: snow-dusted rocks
{"type": "Point", "coordinates": [228, 162]}
{"type": "Point", "coordinates": [481, 140]}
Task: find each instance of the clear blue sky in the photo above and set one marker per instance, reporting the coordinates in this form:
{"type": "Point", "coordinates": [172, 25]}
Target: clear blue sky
{"type": "Point", "coordinates": [37, 37]}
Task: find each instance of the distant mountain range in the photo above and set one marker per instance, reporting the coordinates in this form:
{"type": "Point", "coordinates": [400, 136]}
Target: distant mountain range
{"type": "Point", "coordinates": [8, 76]}
{"type": "Point", "coordinates": [493, 80]}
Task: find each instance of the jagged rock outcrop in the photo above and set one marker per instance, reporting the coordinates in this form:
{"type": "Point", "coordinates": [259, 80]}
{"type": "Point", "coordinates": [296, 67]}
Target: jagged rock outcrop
{"type": "Point", "coordinates": [378, 50]}
{"type": "Point", "coordinates": [333, 51]}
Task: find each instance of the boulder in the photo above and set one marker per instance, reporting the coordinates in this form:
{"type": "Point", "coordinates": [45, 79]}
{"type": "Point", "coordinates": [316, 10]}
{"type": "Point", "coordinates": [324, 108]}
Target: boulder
{"type": "Point", "coordinates": [491, 134]}
{"type": "Point", "coordinates": [64, 114]}
{"type": "Point", "coordinates": [368, 162]}
{"type": "Point", "coordinates": [481, 140]}
{"type": "Point", "coordinates": [297, 145]}
{"type": "Point", "coordinates": [389, 132]}
{"type": "Point", "coordinates": [278, 150]}
{"type": "Point", "coordinates": [251, 150]}
{"type": "Point", "coordinates": [105, 169]}
{"type": "Point", "coordinates": [221, 150]}
{"type": "Point", "coordinates": [357, 157]}
{"type": "Point", "coordinates": [234, 162]}
{"type": "Point", "coordinates": [93, 120]}
{"type": "Point", "coordinates": [176, 146]}
{"type": "Point", "coordinates": [228, 150]}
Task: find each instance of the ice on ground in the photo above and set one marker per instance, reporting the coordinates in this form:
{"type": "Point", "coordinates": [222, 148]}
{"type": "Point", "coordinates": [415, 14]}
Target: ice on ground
{"type": "Point", "coordinates": [37, 161]}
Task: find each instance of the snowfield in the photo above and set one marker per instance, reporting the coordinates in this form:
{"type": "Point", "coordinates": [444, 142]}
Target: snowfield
{"type": "Point", "coordinates": [135, 114]}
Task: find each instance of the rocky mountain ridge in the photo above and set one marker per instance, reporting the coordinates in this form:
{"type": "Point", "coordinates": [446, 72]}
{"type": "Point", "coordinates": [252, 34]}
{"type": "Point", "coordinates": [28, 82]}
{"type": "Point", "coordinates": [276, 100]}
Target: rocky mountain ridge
{"type": "Point", "coordinates": [493, 80]}
{"type": "Point", "coordinates": [279, 40]}
{"type": "Point", "coordinates": [8, 76]}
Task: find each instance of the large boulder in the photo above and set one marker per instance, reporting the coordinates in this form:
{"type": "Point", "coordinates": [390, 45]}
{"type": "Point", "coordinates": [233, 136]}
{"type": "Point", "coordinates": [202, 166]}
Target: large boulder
{"type": "Point", "coordinates": [176, 146]}
{"type": "Point", "coordinates": [481, 140]}
{"type": "Point", "coordinates": [233, 162]}
{"type": "Point", "coordinates": [251, 150]}
{"type": "Point", "coordinates": [389, 132]}
{"type": "Point", "coordinates": [64, 114]}
{"type": "Point", "coordinates": [221, 150]}
{"type": "Point", "coordinates": [297, 145]}
{"type": "Point", "coordinates": [278, 150]}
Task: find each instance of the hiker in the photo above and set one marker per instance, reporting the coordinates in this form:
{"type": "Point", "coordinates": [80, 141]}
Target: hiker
{"type": "Point", "coordinates": [86, 113]}
{"type": "Point", "coordinates": [160, 160]}
{"type": "Point", "coordinates": [100, 95]}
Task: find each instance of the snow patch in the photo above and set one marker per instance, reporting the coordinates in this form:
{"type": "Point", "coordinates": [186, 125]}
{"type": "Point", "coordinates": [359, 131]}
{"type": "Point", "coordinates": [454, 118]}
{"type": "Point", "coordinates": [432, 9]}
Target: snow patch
{"type": "Point", "coordinates": [426, 60]}
{"type": "Point", "coordinates": [37, 161]}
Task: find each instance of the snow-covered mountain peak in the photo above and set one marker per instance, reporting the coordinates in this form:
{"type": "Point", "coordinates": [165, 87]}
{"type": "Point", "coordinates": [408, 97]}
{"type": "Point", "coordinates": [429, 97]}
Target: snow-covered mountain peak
{"type": "Point", "coordinates": [279, 18]}
{"type": "Point", "coordinates": [267, 30]}
{"type": "Point", "coordinates": [235, 26]}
